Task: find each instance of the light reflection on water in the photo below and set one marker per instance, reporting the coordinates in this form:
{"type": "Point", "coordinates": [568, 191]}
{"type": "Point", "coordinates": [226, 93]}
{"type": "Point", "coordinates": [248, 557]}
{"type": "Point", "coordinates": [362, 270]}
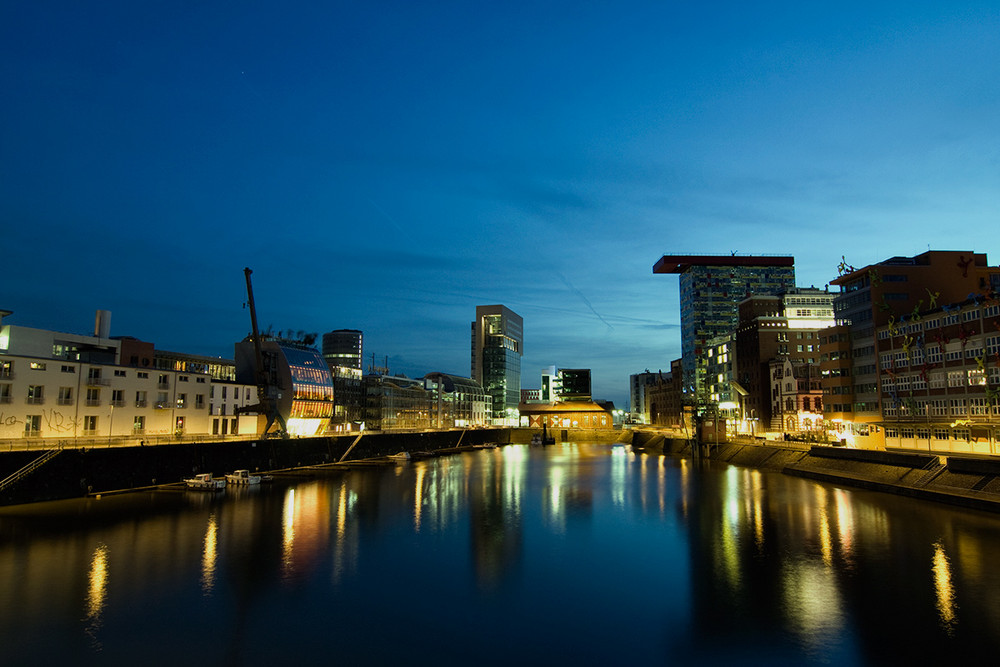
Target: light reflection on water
{"type": "Point", "coordinates": [568, 548]}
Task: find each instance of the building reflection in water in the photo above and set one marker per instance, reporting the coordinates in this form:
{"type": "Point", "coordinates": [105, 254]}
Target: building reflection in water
{"type": "Point", "coordinates": [943, 589]}
{"type": "Point", "coordinates": [208, 556]}
{"type": "Point", "coordinates": [97, 591]}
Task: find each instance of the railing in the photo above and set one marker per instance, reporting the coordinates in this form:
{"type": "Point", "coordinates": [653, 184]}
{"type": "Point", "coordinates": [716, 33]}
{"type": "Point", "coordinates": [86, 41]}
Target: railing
{"type": "Point", "coordinates": [89, 432]}
{"type": "Point", "coordinates": [30, 468]}
{"type": "Point", "coordinates": [64, 401]}
{"type": "Point", "coordinates": [93, 402]}
{"type": "Point", "coordinates": [140, 404]}
{"type": "Point", "coordinates": [163, 385]}
{"type": "Point", "coordinates": [4, 399]}
{"type": "Point", "coordinates": [6, 375]}
{"type": "Point", "coordinates": [35, 400]}
{"type": "Point", "coordinates": [32, 434]}
{"type": "Point", "coordinates": [98, 382]}
{"type": "Point", "coordinates": [163, 405]}
{"type": "Point", "coordinates": [118, 402]}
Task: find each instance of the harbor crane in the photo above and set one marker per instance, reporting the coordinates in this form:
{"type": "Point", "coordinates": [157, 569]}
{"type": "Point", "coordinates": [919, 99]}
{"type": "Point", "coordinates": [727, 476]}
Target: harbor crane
{"type": "Point", "coordinates": [265, 375]}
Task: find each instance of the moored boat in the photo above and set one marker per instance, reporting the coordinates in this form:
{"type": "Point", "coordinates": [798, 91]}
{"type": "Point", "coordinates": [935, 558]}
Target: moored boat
{"type": "Point", "coordinates": [243, 477]}
{"type": "Point", "coordinates": [205, 482]}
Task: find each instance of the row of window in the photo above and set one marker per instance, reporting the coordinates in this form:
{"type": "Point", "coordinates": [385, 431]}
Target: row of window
{"type": "Point", "coordinates": [926, 433]}
{"type": "Point", "coordinates": [36, 396]}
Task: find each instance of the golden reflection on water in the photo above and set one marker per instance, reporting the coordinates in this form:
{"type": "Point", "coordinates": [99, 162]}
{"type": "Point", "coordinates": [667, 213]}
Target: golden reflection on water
{"type": "Point", "coordinates": [944, 590]}
{"type": "Point", "coordinates": [845, 525]}
{"type": "Point", "coordinates": [825, 541]}
{"type": "Point", "coordinates": [208, 556]}
{"type": "Point", "coordinates": [418, 495]}
{"type": "Point", "coordinates": [97, 592]}
{"type": "Point", "coordinates": [288, 532]}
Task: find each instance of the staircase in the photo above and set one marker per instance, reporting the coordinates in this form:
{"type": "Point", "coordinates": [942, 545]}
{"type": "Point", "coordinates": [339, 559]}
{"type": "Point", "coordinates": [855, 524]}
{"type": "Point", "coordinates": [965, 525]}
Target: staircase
{"type": "Point", "coordinates": [30, 468]}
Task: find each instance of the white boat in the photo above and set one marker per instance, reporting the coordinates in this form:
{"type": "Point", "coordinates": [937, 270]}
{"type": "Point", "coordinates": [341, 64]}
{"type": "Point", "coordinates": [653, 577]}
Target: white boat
{"type": "Point", "coordinates": [401, 457]}
{"type": "Point", "coordinates": [205, 482]}
{"type": "Point", "coordinates": [243, 477]}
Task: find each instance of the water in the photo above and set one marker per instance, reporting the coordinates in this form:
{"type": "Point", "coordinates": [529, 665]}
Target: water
{"type": "Point", "coordinates": [573, 553]}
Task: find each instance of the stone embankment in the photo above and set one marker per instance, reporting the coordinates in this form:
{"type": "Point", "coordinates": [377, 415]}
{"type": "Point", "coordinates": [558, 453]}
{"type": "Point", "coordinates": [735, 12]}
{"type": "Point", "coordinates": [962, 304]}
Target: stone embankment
{"type": "Point", "coordinates": [75, 472]}
{"type": "Point", "coordinates": [967, 481]}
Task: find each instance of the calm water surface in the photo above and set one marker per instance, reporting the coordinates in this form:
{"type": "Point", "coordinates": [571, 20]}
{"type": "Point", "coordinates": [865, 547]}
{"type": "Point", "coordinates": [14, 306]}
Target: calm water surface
{"type": "Point", "coordinates": [572, 553]}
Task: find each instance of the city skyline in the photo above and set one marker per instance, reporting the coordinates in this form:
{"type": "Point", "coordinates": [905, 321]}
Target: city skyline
{"type": "Point", "coordinates": [389, 167]}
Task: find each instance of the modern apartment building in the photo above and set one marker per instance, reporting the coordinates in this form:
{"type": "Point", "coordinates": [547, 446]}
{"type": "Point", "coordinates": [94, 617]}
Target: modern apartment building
{"type": "Point", "coordinates": [56, 385]}
{"type": "Point", "coordinates": [343, 351]}
{"type": "Point", "coordinates": [711, 287]}
{"type": "Point", "coordinates": [892, 294]}
{"type": "Point", "coordinates": [497, 348]}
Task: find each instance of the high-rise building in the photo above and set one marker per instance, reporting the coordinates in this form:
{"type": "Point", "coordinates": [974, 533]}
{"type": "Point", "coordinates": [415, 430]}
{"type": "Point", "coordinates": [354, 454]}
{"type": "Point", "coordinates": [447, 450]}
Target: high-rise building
{"type": "Point", "coordinates": [711, 287]}
{"type": "Point", "coordinates": [497, 347]}
{"type": "Point", "coordinates": [343, 353]}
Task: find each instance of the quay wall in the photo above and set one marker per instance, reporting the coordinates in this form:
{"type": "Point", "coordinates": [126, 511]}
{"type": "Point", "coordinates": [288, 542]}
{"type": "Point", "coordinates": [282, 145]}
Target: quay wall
{"type": "Point", "coordinates": [971, 482]}
{"type": "Point", "coordinates": [77, 472]}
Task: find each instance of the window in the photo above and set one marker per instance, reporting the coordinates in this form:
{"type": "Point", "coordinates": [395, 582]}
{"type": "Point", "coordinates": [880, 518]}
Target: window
{"type": "Point", "coordinates": [142, 375]}
{"type": "Point", "coordinates": [215, 427]}
{"type": "Point", "coordinates": [67, 369]}
{"type": "Point", "coordinates": [163, 381]}
{"type": "Point", "coordinates": [934, 354]}
{"type": "Point", "coordinates": [32, 426]}
{"type": "Point", "coordinates": [93, 396]}
{"type": "Point", "coordinates": [225, 426]}
{"type": "Point", "coordinates": [958, 406]}
{"type": "Point", "coordinates": [179, 425]}
{"type": "Point", "coordinates": [941, 434]}
{"type": "Point", "coordinates": [181, 400]}
{"type": "Point", "coordinates": [118, 397]}
{"type": "Point", "coordinates": [4, 393]}
{"type": "Point", "coordinates": [956, 378]}
{"type": "Point", "coordinates": [90, 425]}
{"type": "Point", "coordinates": [224, 392]}
{"type": "Point", "coordinates": [65, 396]}
{"type": "Point", "coordinates": [120, 374]}
{"type": "Point", "coordinates": [182, 378]}
{"type": "Point", "coordinates": [36, 394]}
{"type": "Point", "coordinates": [140, 399]}
{"type": "Point", "coordinates": [139, 424]}
{"type": "Point", "coordinates": [200, 380]}
{"type": "Point", "coordinates": [234, 428]}
{"type": "Point", "coordinates": [199, 401]}
{"type": "Point", "coordinates": [37, 366]}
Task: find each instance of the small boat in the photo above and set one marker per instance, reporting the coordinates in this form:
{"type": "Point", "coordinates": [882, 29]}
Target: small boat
{"type": "Point", "coordinates": [401, 457]}
{"type": "Point", "coordinates": [205, 482]}
{"type": "Point", "coordinates": [243, 477]}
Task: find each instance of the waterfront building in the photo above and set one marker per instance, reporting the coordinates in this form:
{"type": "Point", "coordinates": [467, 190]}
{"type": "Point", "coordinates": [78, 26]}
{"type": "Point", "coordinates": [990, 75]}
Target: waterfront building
{"type": "Point", "coordinates": [396, 402]}
{"type": "Point", "coordinates": [457, 401]}
{"type": "Point", "coordinates": [568, 414]}
{"type": "Point", "coordinates": [497, 348]}
{"type": "Point", "coordinates": [343, 350]}
{"type": "Point", "coordinates": [773, 328]}
{"type": "Point", "coordinates": [796, 396]}
{"type": "Point", "coordinates": [304, 388]}
{"type": "Point", "coordinates": [637, 395]}
{"type": "Point", "coordinates": [711, 287]}
{"type": "Point", "coordinates": [665, 398]}
{"type": "Point", "coordinates": [939, 377]}
{"type": "Point", "coordinates": [564, 384]}
{"type": "Point", "coordinates": [892, 294]}
{"type": "Point", "coordinates": [57, 385]}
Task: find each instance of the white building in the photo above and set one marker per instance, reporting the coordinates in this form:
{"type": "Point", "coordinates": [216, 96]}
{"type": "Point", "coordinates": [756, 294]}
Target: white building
{"type": "Point", "coordinates": [56, 385]}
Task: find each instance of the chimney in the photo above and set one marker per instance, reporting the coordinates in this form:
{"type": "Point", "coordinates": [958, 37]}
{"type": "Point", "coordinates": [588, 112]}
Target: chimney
{"type": "Point", "coordinates": [102, 324]}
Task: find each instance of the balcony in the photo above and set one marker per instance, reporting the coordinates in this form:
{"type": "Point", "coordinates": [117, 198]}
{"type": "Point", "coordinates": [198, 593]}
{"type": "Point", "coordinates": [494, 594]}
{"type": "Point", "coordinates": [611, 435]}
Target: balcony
{"type": "Point", "coordinates": [6, 374]}
{"type": "Point", "coordinates": [118, 402]}
{"type": "Point", "coordinates": [4, 399]}
{"type": "Point", "coordinates": [140, 404]}
{"type": "Point", "coordinates": [98, 382]}
{"type": "Point", "coordinates": [163, 405]}
{"type": "Point", "coordinates": [93, 402]}
{"type": "Point", "coordinates": [62, 400]}
{"type": "Point", "coordinates": [35, 400]}
{"type": "Point", "coordinates": [163, 385]}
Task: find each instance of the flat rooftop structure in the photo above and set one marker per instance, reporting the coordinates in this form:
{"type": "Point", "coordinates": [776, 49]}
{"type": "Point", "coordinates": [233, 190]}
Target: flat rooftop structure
{"type": "Point", "coordinates": [681, 263]}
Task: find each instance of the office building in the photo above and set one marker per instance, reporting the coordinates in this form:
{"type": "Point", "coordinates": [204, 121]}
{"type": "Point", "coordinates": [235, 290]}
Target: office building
{"type": "Point", "coordinates": [711, 287]}
{"type": "Point", "coordinates": [497, 348]}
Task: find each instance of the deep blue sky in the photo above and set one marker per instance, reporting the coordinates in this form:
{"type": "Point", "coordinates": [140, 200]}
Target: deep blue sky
{"type": "Point", "coordinates": [388, 166]}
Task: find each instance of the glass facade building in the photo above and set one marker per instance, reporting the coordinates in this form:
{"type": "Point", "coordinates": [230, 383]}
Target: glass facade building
{"type": "Point", "coordinates": [711, 288]}
{"type": "Point", "coordinates": [343, 352]}
{"type": "Point", "coordinates": [497, 348]}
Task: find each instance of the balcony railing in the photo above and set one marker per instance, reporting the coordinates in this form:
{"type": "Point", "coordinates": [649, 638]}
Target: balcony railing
{"type": "Point", "coordinates": [4, 399]}
{"type": "Point", "coordinates": [93, 402]}
{"type": "Point", "coordinates": [89, 432]}
{"type": "Point", "coordinates": [6, 375]}
{"type": "Point", "coordinates": [140, 404]}
{"type": "Point", "coordinates": [32, 434]}
{"type": "Point", "coordinates": [163, 405]}
{"type": "Point", "coordinates": [163, 385]}
{"type": "Point", "coordinates": [118, 402]}
{"type": "Point", "coordinates": [98, 382]}
{"type": "Point", "coordinates": [62, 400]}
{"type": "Point", "coordinates": [35, 400]}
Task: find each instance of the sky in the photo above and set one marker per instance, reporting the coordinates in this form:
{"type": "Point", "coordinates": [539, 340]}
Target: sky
{"type": "Point", "coordinates": [389, 166]}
